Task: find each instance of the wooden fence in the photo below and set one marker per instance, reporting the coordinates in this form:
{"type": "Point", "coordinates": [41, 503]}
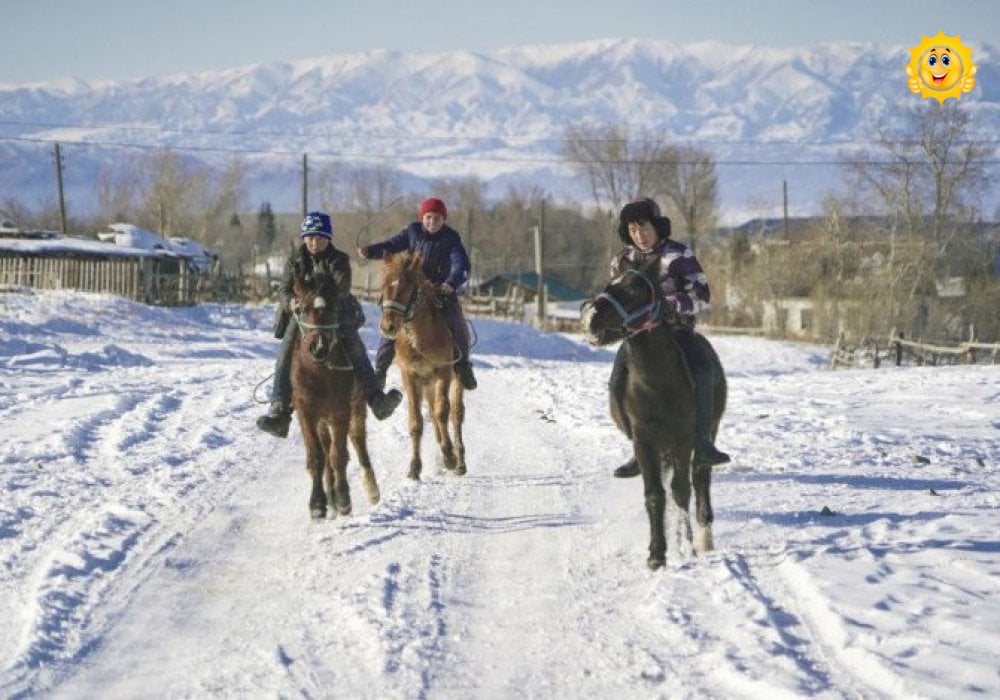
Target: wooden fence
{"type": "Point", "coordinates": [896, 351]}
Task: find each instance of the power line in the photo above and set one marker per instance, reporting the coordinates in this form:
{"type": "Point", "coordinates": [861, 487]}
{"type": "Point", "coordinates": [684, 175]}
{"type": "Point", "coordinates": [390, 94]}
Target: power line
{"type": "Point", "coordinates": [543, 160]}
{"type": "Point", "coordinates": [355, 135]}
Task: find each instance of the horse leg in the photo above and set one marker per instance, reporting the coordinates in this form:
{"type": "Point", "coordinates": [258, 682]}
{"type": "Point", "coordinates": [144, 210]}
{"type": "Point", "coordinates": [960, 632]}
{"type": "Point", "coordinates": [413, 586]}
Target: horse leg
{"type": "Point", "coordinates": [702, 478]}
{"type": "Point", "coordinates": [340, 492]}
{"type": "Point", "coordinates": [680, 492]}
{"type": "Point", "coordinates": [315, 462]}
{"type": "Point", "coordinates": [413, 398]}
{"type": "Point", "coordinates": [440, 409]}
{"type": "Point", "coordinates": [655, 497]}
{"type": "Point", "coordinates": [457, 419]}
{"type": "Point", "coordinates": [359, 439]}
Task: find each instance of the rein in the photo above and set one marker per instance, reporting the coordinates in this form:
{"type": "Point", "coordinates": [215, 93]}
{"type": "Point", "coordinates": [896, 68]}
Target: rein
{"type": "Point", "coordinates": [650, 311]}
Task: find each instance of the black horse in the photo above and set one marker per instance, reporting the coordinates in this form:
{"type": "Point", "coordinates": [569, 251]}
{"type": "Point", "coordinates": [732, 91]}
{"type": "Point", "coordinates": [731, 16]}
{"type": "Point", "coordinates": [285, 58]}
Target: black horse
{"type": "Point", "coordinates": [656, 409]}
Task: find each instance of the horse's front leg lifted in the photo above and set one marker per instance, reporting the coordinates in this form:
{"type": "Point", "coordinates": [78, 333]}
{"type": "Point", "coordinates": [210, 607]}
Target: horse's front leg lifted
{"type": "Point", "coordinates": [655, 497]}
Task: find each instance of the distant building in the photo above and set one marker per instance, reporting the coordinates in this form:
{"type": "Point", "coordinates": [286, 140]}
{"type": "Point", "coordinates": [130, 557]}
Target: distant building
{"type": "Point", "coordinates": [199, 258]}
{"type": "Point", "coordinates": [527, 282]}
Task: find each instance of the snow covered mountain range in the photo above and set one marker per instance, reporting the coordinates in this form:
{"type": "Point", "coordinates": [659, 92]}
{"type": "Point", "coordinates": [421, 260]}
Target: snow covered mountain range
{"type": "Point", "coordinates": [767, 114]}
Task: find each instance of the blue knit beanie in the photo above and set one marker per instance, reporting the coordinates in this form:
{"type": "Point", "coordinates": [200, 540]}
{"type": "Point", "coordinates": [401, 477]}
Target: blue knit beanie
{"type": "Point", "coordinates": [317, 223]}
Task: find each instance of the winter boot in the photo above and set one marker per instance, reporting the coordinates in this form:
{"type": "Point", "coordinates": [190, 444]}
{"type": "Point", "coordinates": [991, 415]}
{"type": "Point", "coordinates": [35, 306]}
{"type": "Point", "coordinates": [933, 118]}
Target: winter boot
{"type": "Point", "coordinates": [628, 470]}
{"type": "Point", "coordinates": [465, 375]}
{"type": "Point", "coordinates": [705, 452]}
{"type": "Point", "coordinates": [382, 403]}
{"type": "Point", "coordinates": [277, 419]}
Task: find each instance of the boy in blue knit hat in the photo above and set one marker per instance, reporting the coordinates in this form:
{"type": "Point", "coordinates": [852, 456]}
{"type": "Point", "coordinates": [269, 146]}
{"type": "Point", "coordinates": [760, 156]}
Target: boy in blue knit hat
{"type": "Point", "coordinates": [318, 256]}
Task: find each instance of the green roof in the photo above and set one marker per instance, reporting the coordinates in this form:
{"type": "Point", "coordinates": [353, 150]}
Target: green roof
{"type": "Point", "coordinates": [557, 290]}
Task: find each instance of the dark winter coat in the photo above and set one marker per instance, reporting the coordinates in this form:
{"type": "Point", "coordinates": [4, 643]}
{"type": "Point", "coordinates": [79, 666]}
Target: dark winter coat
{"type": "Point", "coordinates": [332, 263]}
{"type": "Point", "coordinates": [682, 278]}
{"type": "Point", "coordinates": [444, 256]}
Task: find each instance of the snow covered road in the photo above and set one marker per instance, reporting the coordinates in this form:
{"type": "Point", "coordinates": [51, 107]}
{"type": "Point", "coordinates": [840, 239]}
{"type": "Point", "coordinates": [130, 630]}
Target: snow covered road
{"type": "Point", "coordinates": [154, 544]}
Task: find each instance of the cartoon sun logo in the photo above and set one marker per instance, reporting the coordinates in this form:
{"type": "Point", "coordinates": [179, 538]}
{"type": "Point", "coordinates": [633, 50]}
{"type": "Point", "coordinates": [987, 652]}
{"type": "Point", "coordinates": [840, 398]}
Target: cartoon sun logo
{"type": "Point", "coordinates": [941, 67]}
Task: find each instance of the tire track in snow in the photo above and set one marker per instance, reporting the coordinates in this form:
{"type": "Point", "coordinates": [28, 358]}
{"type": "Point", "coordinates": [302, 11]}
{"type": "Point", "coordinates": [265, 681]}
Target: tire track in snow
{"type": "Point", "coordinates": [100, 553]}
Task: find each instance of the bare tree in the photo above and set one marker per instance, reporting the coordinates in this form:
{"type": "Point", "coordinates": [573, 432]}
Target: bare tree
{"type": "Point", "coordinates": [929, 175]}
{"type": "Point", "coordinates": [926, 178]}
{"type": "Point", "coordinates": [691, 187]}
{"type": "Point", "coordinates": [619, 165]}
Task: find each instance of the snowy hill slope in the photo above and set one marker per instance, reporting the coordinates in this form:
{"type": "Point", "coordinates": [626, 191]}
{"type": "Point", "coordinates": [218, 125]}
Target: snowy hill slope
{"type": "Point", "coordinates": [498, 116]}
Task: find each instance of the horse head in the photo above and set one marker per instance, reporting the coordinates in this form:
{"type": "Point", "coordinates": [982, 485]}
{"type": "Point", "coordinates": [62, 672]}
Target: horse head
{"type": "Point", "coordinates": [402, 280]}
{"type": "Point", "coordinates": [631, 303]}
{"type": "Point", "coordinates": [316, 315]}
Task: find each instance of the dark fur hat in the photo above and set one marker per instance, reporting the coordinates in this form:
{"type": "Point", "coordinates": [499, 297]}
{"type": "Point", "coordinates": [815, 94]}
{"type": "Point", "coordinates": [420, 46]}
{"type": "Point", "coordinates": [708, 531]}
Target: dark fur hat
{"type": "Point", "coordinates": [639, 210]}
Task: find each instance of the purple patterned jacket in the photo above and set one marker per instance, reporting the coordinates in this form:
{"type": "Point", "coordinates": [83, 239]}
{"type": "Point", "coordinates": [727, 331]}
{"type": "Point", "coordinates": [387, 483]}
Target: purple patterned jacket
{"type": "Point", "coordinates": [681, 277]}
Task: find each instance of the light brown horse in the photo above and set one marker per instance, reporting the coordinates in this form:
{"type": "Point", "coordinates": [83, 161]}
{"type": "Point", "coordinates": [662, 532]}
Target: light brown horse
{"type": "Point", "coordinates": [328, 401]}
{"type": "Point", "coordinates": [425, 353]}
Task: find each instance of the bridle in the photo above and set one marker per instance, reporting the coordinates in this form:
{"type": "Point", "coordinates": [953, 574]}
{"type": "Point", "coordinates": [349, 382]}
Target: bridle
{"type": "Point", "coordinates": [642, 319]}
{"type": "Point", "coordinates": [406, 310]}
{"type": "Point", "coordinates": [305, 325]}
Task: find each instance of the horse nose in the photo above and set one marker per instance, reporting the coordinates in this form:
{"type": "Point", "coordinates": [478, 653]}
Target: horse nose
{"type": "Point", "coordinates": [318, 349]}
{"type": "Point", "coordinates": [388, 326]}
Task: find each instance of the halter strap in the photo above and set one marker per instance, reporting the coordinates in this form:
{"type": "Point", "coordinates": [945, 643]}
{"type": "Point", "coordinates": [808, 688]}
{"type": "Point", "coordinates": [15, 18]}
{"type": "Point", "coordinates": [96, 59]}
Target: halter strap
{"type": "Point", "coordinates": [405, 310]}
{"type": "Point", "coordinates": [305, 325]}
{"type": "Point", "coordinates": [650, 311]}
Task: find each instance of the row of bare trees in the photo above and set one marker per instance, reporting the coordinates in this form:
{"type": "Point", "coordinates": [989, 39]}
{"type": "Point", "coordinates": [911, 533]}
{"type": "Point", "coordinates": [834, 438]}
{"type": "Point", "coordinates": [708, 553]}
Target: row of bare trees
{"type": "Point", "coordinates": [911, 217]}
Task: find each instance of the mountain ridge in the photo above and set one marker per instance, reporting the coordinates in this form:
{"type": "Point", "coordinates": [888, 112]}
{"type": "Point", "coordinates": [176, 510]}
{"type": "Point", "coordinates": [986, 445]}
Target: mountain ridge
{"type": "Point", "coordinates": [498, 115]}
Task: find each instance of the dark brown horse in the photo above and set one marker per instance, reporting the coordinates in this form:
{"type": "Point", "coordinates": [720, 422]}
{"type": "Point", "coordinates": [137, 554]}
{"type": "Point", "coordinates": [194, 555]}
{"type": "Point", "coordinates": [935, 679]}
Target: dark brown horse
{"type": "Point", "coordinates": [328, 402]}
{"type": "Point", "coordinates": [425, 353]}
{"type": "Point", "coordinates": [657, 409]}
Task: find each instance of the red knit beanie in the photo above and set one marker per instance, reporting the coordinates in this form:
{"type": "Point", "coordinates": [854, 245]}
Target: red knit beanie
{"type": "Point", "coordinates": [433, 204]}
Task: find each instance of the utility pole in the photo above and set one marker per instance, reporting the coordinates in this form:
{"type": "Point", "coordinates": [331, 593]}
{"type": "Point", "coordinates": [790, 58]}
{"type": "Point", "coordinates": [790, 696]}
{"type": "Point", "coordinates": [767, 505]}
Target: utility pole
{"type": "Point", "coordinates": [539, 270]}
{"type": "Point", "coordinates": [59, 191]}
{"type": "Point", "coordinates": [784, 191]}
{"type": "Point", "coordinates": [305, 185]}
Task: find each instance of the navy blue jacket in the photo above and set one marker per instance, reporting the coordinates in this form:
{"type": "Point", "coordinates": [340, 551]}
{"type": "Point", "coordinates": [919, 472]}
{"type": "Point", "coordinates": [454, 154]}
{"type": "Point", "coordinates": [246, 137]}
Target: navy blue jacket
{"type": "Point", "coordinates": [445, 259]}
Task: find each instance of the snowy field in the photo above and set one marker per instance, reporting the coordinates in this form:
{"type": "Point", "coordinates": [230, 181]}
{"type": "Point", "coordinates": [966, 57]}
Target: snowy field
{"type": "Point", "coordinates": [153, 544]}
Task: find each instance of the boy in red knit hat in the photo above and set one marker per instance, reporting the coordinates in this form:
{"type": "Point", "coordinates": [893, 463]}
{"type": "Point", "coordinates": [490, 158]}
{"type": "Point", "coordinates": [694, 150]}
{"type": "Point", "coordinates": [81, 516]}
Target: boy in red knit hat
{"type": "Point", "coordinates": [445, 264]}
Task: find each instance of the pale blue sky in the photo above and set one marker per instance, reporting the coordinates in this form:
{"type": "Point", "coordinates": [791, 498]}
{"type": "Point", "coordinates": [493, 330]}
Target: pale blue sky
{"type": "Point", "coordinates": [119, 39]}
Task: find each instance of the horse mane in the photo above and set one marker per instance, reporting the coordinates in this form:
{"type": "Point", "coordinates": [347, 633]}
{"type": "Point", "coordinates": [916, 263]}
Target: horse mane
{"type": "Point", "coordinates": [405, 265]}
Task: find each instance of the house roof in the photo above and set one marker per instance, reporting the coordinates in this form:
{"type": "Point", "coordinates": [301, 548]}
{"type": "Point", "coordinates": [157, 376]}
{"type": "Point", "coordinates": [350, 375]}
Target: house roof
{"type": "Point", "coordinates": [529, 280]}
{"type": "Point", "coordinates": [69, 245]}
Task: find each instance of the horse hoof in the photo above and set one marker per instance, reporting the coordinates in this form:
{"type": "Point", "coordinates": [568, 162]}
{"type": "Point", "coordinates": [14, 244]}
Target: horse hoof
{"type": "Point", "coordinates": [655, 563]}
{"type": "Point", "coordinates": [344, 510]}
{"type": "Point", "coordinates": [413, 474]}
{"type": "Point", "coordinates": [317, 513]}
{"type": "Point", "coordinates": [460, 470]}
